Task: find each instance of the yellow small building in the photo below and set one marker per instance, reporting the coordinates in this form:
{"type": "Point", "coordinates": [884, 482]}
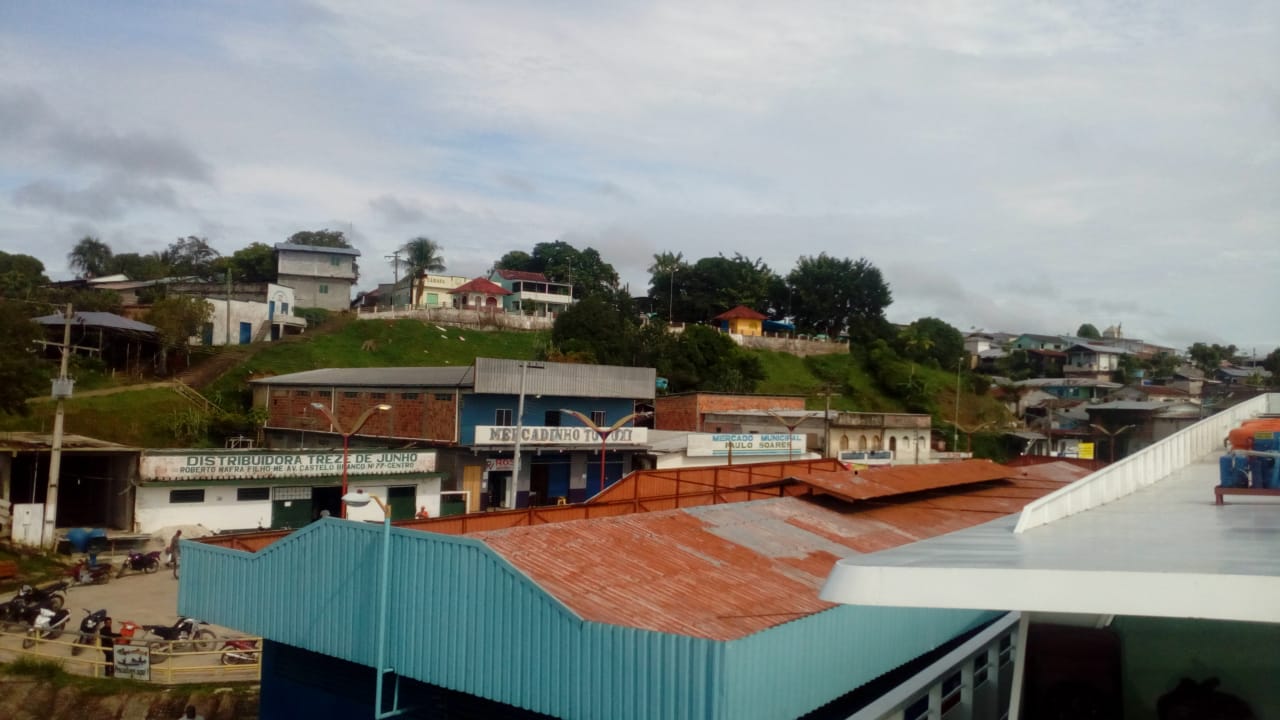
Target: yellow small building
{"type": "Point", "coordinates": [741, 320]}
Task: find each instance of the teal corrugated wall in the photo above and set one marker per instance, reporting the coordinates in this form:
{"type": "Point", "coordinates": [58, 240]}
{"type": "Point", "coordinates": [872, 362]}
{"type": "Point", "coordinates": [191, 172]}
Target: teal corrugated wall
{"type": "Point", "coordinates": [463, 618]}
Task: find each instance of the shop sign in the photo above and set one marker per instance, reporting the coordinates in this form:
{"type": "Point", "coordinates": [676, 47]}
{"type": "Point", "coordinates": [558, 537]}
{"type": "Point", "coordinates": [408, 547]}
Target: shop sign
{"type": "Point", "coordinates": [251, 465]}
{"type": "Point", "coordinates": [132, 662]}
{"type": "Point", "coordinates": [538, 435]}
{"type": "Point", "coordinates": [718, 444]}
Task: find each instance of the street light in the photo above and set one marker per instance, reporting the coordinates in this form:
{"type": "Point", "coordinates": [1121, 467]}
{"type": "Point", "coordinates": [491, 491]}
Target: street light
{"type": "Point", "coordinates": [346, 437]}
{"type": "Point", "coordinates": [360, 499]}
{"type": "Point", "coordinates": [604, 433]}
{"type": "Point", "coordinates": [671, 297]}
{"type": "Point", "coordinates": [970, 430]}
{"type": "Point", "coordinates": [790, 426]}
{"type": "Point", "coordinates": [1111, 438]}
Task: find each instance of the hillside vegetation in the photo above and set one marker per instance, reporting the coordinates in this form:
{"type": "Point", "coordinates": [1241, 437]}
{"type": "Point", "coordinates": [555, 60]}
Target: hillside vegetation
{"type": "Point", "coordinates": [159, 417]}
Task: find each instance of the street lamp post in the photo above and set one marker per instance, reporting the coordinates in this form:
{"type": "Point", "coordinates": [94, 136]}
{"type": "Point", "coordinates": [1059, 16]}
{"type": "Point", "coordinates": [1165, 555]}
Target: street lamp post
{"type": "Point", "coordinates": [525, 367]}
{"type": "Point", "coordinates": [360, 499]}
{"type": "Point", "coordinates": [346, 437]}
{"type": "Point", "coordinates": [1111, 438]}
{"type": "Point", "coordinates": [970, 430]}
{"type": "Point", "coordinates": [671, 297]}
{"type": "Point", "coordinates": [790, 426]}
{"type": "Point", "coordinates": [604, 433]}
{"type": "Point", "coordinates": [955, 427]}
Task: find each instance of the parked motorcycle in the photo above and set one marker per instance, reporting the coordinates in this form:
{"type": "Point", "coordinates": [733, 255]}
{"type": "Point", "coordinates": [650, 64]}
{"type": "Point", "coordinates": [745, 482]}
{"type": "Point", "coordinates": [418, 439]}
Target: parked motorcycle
{"type": "Point", "coordinates": [144, 562]}
{"type": "Point", "coordinates": [48, 625]}
{"type": "Point", "coordinates": [89, 627]}
{"type": "Point", "coordinates": [240, 651]}
{"type": "Point", "coordinates": [82, 573]}
{"type": "Point", "coordinates": [186, 635]}
{"type": "Point", "coordinates": [53, 596]}
{"type": "Point", "coordinates": [14, 613]}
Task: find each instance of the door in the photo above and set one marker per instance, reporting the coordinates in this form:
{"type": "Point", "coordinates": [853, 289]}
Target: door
{"type": "Point", "coordinates": [401, 501]}
{"type": "Point", "coordinates": [291, 507]}
{"type": "Point", "coordinates": [539, 474]}
{"type": "Point", "coordinates": [246, 333]}
{"type": "Point", "coordinates": [206, 334]}
{"type": "Point", "coordinates": [271, 310]}
{"type": "Point", "coordinates": [472, 479]}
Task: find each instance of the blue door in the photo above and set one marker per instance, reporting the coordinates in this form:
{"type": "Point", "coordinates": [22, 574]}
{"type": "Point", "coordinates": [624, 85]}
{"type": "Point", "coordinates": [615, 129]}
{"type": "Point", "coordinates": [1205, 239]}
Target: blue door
{"type": "Point", "coordinates": [246, 333]}
{"type": "Point", "coordinates": [271, 310]}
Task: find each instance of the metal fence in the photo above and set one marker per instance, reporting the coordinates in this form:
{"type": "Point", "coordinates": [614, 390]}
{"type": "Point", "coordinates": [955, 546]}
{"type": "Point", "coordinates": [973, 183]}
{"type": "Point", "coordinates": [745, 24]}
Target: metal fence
{"type": "Point", "coordinates": [169, 663]}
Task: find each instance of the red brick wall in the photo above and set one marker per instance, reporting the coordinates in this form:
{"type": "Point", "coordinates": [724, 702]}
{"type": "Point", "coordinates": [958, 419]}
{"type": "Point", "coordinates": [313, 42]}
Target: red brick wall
{"type": "Point", "coordinates": [414, 412]}
{"type": "Point", "coordinates": [685, 412]}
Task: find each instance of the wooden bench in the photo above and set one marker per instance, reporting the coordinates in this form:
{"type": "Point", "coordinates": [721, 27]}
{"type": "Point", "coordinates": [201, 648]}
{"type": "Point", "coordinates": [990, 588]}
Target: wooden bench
{"type": "Point", "coordinates": [8, 569]}
{"type": "Point", "coordinates": [1219, 491]}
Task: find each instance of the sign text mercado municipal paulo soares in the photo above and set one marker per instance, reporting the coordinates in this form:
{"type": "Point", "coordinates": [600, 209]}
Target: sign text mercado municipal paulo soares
{"type": "Point", "coordinates": [191, 466]}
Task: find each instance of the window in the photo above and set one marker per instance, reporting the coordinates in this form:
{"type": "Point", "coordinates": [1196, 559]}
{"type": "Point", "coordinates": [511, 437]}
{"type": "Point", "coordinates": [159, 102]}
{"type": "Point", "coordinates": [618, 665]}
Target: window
{"type": "Point", "coordinates": [350, 394]}
{"type": "Point", "coordinates": [444, 397]}
{"type": "Point", "coordinates": [552, 418]}
{"type": "Point", "coordinates": [951, 687]}
{"type": "Point", "coordinates": [980, 669]}
{"type": "Point", "coordinates": [324, 289]}
{"type": "Point", "coordinates": [302, 393]}
{"type": "Point", "coordinates": [377, 396]}
{"type": "Point", "coordinates": [335, 260]}
{"type": "Point", "coordinates": [1006, 650]}
{"type": "Point", "coordinates": [186, 496]}
{"type": "Point", "coordinates": [408, 396]}
{"type": "Point", "coordinates": [279, 392]}
{"type": "Point", "coordinates": [246, 494]}
{"type": "Point", "coordinates": [433, 299]}
{"type": "Point", "coordinates": [502, 417]}
{"type": "Point", "coordinates": [917, 710]}
{"type": "Point", "coordinates": [324, 393]}
{"type": "Point", "coordinates": [597, 417]}
{"type": "Point", "coordinates": [284, 308]}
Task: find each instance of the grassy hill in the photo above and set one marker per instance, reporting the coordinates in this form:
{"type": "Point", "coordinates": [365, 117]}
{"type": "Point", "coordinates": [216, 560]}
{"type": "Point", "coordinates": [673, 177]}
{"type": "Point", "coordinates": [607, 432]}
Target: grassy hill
{"type": "Point", "coordinates": [158, 417]}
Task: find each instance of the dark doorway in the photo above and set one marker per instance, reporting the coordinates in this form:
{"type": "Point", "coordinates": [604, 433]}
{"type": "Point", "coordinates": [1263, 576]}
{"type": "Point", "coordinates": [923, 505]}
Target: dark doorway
{"type": "Point", "coordinates": [327, 498]}
{"type": "Point", "coordinates": [497, 494]}
{"type": "Point", "coordinates": [401, 501]}
{"type": "Point", "coordinates": [539, 485]}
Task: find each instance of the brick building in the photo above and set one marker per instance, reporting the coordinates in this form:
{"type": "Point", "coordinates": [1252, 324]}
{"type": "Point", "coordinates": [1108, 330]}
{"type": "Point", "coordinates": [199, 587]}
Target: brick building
{"type": "Point", "coordinates": [688, 411]}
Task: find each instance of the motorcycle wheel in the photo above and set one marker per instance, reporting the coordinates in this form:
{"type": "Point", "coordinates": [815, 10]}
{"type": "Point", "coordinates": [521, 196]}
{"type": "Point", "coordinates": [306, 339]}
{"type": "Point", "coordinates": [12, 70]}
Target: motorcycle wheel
{"type": "Point", "coordinates": [78, 646]}
{"type": "Point", "coordinates": [159, 651]}
{"type": "Point", "coordinates": [29, 641]}
{"type": "Point", "coordinates": [102, 579]}
{"type": "Point", "coordinates": [204, 641]}
{"type": "Point", "coordinates": [152, 565]}
{"type": "Point", "coordinates": [56, 601]}
{"type": "Point", "coordinates": [120, 572]}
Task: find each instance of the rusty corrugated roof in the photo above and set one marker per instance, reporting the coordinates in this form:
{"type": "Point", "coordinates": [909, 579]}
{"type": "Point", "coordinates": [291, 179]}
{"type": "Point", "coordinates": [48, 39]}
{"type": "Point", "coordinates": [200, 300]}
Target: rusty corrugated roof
{"type": "Point", "coordinates": [729, 570]}
{"type": "Point", "coordinates": [29, 441]}
{"type": "Point", "coordinates": [896, 480]}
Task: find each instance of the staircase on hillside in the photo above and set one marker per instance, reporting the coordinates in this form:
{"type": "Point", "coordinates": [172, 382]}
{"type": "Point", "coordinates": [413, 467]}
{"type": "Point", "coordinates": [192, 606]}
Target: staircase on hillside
{"type": "Point", "coordinates": [191, 394]}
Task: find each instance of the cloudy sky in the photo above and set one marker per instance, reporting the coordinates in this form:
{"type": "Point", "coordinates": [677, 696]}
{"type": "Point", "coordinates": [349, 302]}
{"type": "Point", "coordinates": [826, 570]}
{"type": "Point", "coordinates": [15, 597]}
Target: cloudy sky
{"type": "Point", "coordinates": [1015, 166]}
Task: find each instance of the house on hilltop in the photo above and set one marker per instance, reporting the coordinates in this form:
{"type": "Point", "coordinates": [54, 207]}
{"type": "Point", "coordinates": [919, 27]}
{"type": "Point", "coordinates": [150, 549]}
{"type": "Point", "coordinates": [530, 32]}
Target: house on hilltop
{"type": "Point", "coordinates": [321, 277]}
{"type": "Point", "coordinates": [741, 320]}
{"type": "Point", "coordinates": [531, 293]}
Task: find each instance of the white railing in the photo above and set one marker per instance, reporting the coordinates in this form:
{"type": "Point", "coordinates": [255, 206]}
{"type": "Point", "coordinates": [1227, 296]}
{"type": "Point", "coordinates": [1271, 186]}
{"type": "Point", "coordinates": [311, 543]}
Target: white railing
{"type": "Point", "coordinates": [1148, 466]}
{"type": "Point", "coordinates": [972, 682]}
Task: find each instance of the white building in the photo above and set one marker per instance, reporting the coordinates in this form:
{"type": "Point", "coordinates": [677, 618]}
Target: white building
{"type": "Point", "coordinates": [246, 321]}
{"type": "Point", "coordinates": [246, 489]}
{"type": "Point", "coordinates": [321, 277]}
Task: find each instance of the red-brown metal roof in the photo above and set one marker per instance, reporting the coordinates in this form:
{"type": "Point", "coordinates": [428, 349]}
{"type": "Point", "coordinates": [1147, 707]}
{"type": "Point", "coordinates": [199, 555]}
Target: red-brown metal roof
{"type": "Point", "coordinates": [873, 482]}
{"type": "Point", "coordinates": [480, 285]}
{"type": "Point", "coordinates": [728, 570]}
{"type": "Point", "coordinates": [741, 311]}
{"type": "Point", "coordinates": [522, 275]}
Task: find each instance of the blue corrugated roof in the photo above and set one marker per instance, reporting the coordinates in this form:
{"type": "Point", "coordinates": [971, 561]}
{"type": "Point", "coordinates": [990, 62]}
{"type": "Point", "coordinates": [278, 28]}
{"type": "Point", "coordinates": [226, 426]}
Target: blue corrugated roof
{"type": "Point", "coordinates": [459, 610]}
{"type": "Point", "coordinates": [98, 319]}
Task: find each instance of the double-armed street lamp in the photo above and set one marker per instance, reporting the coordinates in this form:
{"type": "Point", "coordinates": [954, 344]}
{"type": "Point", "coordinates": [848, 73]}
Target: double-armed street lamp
{"type": "Point", "coordinates": [346, 437]}
{"type": "Point", "coordinates": [790, 424]}
{"type": "Point", "coordinates": [1111, 438]}
{"type": "Point", "coordinates": [360, 499]}
{"type": "Point", "coordinates": [604, 433]}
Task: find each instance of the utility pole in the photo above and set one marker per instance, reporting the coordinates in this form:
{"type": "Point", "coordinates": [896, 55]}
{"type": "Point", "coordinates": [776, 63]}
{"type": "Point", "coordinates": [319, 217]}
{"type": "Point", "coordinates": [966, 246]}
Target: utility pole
{"type": "Point", "coordinates": [227, 342]}
{"type": "Point", "coordinates": [61, 391]}
{"type": "Point", "coordinates": [395, 273]}
{"type": "Point", "coordinates": [955, 426]}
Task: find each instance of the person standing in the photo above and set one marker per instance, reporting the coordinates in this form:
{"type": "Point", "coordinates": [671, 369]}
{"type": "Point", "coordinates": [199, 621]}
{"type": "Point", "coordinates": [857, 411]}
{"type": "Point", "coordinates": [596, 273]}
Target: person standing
{"type": "Point", "coordinates": [107, 639]}
{"type": "Point", "coordinates": [175, 550]}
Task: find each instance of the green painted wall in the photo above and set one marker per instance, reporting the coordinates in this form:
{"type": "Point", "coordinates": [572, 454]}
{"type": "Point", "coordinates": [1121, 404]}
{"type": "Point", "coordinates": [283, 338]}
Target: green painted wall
{"type": "Point", "coordinates": [1159, 651]}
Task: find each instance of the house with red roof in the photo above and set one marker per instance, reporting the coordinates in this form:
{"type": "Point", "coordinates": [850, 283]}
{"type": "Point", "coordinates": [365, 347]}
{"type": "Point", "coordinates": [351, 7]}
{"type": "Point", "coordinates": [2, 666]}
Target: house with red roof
{"type": "Point", "coordinates": [479, 294]}
{"type": "Point", "coordinates": [531, 293]}
{"type": "Point", "coordinates": [741, 320]}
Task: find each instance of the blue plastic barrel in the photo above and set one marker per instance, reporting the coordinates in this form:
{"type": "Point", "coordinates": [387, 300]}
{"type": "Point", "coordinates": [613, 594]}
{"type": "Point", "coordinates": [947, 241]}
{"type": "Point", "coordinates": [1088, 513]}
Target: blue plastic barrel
{"type": "Point", "coordinates": [1232, 471]}
{"type": "Point", "coordinates": [1265, 472]}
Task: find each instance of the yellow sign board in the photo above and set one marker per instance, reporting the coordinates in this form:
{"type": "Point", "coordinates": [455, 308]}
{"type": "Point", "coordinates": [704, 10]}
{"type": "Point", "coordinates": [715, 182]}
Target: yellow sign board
{"type": "Point", "coordinates": [1085, 450]}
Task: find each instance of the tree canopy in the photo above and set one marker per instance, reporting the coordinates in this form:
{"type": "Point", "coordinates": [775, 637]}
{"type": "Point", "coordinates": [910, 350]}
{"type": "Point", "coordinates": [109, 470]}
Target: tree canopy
{"type": "Point", "coordinates": [1087, 330]}
{"type": "Point", "coordinates": [22, 375]}
{"type": "Point", "coordinates": [20, 275]}
{"type": "Point", "coordinates": [1210, 357]}
{"type": "Point", "coordinates": [90, 257]}
{"type": "Point", "coordinates": [320, 238]}
{"type": "Point", "coordinates": [838, 295]}
{"type": "Point", "coordinates": [190, 256]}
{"type": "Point", "coordinates": [932, 341]}
{"type": "Point", "coordinates": [255, 263]}
{"type": "Point", "coordinates": [563, 263]}
{"type": "Point", "coordinates": [716, 284]}
{"type": "Point", "coordinates": [176, 319]}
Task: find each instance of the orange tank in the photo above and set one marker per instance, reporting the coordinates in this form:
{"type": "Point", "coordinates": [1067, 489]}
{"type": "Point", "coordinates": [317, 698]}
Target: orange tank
{"type": "Point", "coordinates": [1241, 438]}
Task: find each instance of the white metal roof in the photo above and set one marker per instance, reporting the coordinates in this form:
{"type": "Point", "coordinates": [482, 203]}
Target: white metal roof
{"type": "Point", "coordinates": [1142, 537]}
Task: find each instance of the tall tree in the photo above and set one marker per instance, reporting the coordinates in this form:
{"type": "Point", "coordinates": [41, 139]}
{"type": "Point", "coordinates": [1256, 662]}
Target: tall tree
{"type": "Point", "coordinates": [667, 269]}
{"type": "Point", "coordinates": [20, 275]}
{"type": "Point", "coordinates": [255, 263]}
{"type": "Point", "coordinates": [320, 238]}
{"type": "Point", "coordinates": [561, 262]}
{"type": "Point", "coordinates": [190, 256]}
{"type": "Point", "coordinates": [835, 296]}
{"type": "Point", "coordinates": [422, 255]}
{"type": "Point", "coordinates": [932, 341]}
{"type": "Point", "coordinates": [1272, 364]}
{"type": "Point", "coordinates": [1087, 330]}
{"type": "Point", "coordinates": [90, 257]}
{"type": "Point", "coordinates": [716, 284]}
{"type": "Point", "coordinates": [176, 319]}
{"type": "Point", "coordinates": [705, 359]}
{"type": "Point", "coordinates": [21, 372]}
{"type": "Point", "coordinates": [1210, 357]}
{"type": "Point", "coordinates": [596, 328]}
{"type": "Point", "coordinates": [151, 266]}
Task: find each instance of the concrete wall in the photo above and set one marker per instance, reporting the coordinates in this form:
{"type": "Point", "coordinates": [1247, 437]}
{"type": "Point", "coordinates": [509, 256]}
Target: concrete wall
{"type": "Point", "coordinates": [794, 346]}
{"type": "Point", "coordinates": [316, 265]}
{"type": "Point", "coordinates": [455, 317]}
{"type": "Point", "coordinates": [307, 291]}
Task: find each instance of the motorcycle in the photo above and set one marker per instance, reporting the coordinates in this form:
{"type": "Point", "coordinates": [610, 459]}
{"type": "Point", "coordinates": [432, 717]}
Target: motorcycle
{"type": "Point", "coordinates": [89, 627]}
{"type": "Point", "coordinates": [48, 625]}
{"type": "Point", "coordinates": [53, 596]}
{"type": "Point", "coordinates": [240, 651]}
{"type": "Point", "coordinates": [146, 562]}
{"type": "Point", "coordinates": [82, 573]}
{"type": "Point", "coordinates": [186, 635]}
{"type": "Point", "coordinates": [14, 614]}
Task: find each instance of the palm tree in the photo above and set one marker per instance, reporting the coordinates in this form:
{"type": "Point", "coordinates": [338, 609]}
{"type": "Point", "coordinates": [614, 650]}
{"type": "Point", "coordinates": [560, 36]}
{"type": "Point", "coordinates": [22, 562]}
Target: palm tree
{"type": "Point", "coordinates": [665, 265]}
{"type": "Point", "coordinates": [91, 257]}
{"type": "Point", "coordinates": [422, 255]}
